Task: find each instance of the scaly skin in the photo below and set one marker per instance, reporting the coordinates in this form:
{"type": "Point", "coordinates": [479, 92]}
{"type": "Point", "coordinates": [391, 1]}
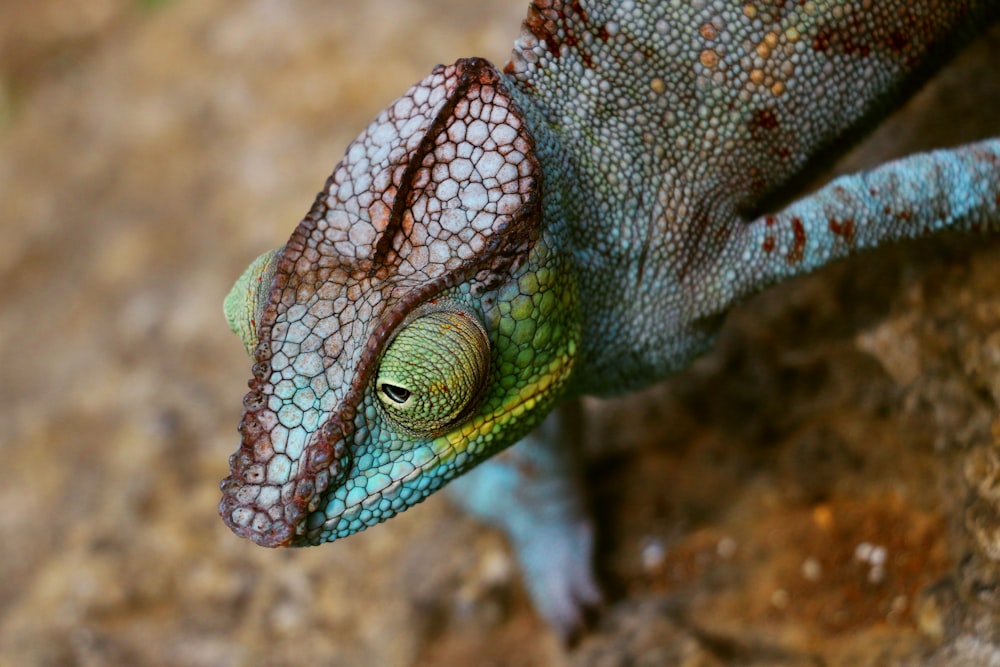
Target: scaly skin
{"type": "Point", "coordinates": [496, 242]}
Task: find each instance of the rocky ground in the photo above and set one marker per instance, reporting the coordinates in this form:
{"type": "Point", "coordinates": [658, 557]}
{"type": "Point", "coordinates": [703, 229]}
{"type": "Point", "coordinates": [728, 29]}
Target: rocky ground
{"type": "Point", "coordinates": [821, 489]}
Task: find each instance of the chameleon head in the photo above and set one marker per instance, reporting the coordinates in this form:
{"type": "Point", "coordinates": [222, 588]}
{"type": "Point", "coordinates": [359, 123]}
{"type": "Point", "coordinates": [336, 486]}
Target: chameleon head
{"type": "Point", "coordinates": [415, 323]}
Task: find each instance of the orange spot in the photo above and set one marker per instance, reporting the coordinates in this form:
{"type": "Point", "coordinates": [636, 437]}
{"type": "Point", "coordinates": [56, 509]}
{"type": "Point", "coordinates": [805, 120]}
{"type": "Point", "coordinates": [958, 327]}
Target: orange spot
{"type": "Point", "coordinates": [822, 516]}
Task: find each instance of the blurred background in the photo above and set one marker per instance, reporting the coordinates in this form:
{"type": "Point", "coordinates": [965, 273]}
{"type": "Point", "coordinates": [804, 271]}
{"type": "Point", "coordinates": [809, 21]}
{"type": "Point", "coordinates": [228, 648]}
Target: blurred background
{"type": "Point", "coordinates": [820, 489]}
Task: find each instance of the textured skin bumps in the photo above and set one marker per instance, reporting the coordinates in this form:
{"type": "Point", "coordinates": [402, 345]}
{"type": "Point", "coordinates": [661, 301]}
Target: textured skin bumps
{"type": "Point", "coordinates": [674, 125]}
{"type": "Point", "coordinates": [593, 210]}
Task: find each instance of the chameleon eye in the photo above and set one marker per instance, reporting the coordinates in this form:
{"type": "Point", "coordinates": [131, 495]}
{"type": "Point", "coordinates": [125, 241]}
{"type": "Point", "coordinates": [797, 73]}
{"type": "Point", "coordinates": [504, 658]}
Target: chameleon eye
{"type": "Point", "coordinates": [434, 370]}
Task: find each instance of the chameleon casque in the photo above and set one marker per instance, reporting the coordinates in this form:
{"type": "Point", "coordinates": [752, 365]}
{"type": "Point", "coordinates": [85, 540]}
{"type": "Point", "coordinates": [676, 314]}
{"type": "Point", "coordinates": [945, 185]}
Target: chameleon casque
{"type": "Point", "coordinates": [500, 240]}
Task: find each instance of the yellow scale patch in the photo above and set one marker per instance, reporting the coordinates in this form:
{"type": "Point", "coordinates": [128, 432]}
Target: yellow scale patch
{"type": "Point", "coordinates": [558, 370]}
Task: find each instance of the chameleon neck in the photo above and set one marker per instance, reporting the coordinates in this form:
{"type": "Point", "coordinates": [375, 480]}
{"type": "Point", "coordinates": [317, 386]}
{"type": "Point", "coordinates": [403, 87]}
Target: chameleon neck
{"type": "Point", "coordinates": [631, 336]}
{"type": "Point", "coordinates": [617, 194]}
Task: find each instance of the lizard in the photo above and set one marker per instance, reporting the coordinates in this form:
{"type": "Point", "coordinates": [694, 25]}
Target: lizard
{"type": "Point", "coordinates": [502, 241]}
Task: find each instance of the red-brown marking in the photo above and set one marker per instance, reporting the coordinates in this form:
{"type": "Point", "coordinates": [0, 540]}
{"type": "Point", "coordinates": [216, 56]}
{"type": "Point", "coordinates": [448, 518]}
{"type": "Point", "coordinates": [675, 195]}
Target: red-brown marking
{"type": "Point", "coordinates": [799, 244]}
{"type": "Point", "coordinates": [843, 229]}
{"type": "Point", "coordinates": [542, 29]}
{"type": "Point", "coordinates": [899, 41]}
{"type": "Point", "coordinates": [769, 244]}
{"type": "Point", "coordinates": [760, 120]}
{"type": "Point", "coordinates": [851, 47]}
{"type": "Point", "coordinates": [843, 39]}
{"type": "Point", "coordinates": [545, 20]}
{"type": "Point", "coordinates": [821, 42]}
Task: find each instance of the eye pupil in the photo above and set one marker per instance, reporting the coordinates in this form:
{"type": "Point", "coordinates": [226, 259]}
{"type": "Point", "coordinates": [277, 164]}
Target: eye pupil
{"type": "Point", "coordinates": [395, 393]}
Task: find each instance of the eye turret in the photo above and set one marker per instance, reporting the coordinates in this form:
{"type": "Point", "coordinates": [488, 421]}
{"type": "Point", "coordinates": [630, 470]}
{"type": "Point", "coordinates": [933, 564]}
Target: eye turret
{"type": "Point", "coordinates": [433, 372]}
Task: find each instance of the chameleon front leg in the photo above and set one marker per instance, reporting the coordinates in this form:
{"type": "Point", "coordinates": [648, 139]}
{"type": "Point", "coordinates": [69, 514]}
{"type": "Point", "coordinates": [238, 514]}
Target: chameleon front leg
{"type": "Point", "coordinates": [533, 492]}
{"type": "Point", "coordinates": [953, 189]}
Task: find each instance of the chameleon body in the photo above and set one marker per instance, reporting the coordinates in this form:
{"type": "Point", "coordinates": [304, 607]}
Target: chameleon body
{"type": "Point", "coordinates": [499, 241]}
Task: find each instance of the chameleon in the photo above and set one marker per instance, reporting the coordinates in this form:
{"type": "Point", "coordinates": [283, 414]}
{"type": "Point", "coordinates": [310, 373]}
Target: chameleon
{"type": "Point", "coordinates": [501, 241]}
